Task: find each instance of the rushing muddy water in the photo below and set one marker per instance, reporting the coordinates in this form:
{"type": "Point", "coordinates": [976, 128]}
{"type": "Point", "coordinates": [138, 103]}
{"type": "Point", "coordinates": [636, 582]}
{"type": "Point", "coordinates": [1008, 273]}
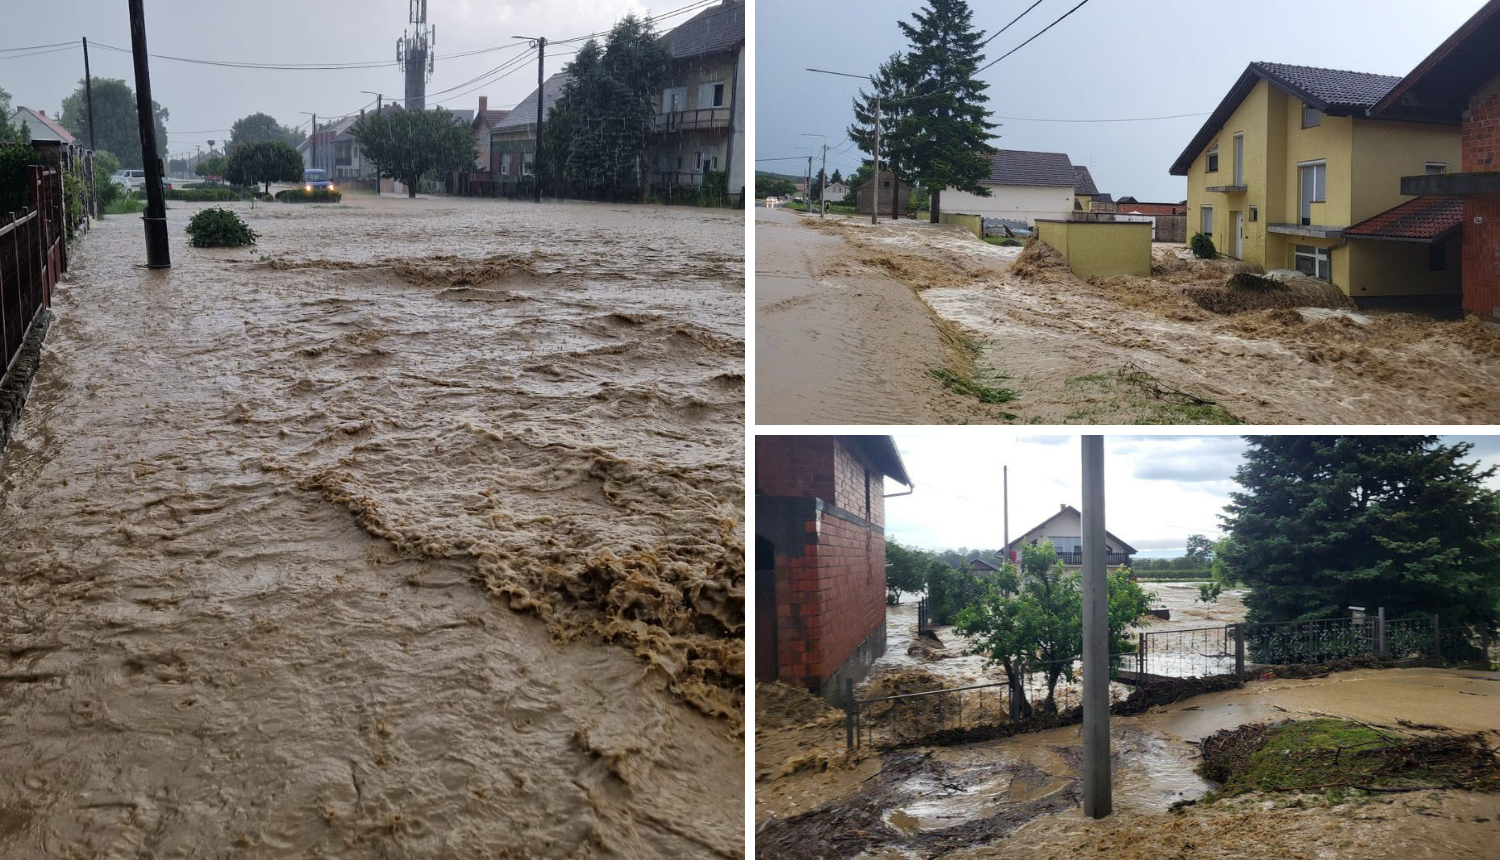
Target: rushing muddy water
{"type": "Point", "coordinates": [416, 530]}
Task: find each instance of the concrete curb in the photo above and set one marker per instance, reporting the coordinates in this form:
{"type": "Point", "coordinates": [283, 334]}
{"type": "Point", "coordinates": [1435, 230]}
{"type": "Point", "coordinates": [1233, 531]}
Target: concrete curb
{"type": "Point", "coordinates": [17, 382]}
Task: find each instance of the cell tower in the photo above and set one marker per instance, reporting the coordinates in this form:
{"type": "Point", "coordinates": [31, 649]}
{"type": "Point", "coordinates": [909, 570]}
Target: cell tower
{"type": "Point", "coordinates": [414, 53]}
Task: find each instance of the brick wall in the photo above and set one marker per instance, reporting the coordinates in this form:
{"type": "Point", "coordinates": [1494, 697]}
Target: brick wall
{"type": "Point", "coordinates": [830, 590]}
{"type": "Point", "coordinates": [1481, 242]}
{"type": "Point", "coordinates": [801, 466]}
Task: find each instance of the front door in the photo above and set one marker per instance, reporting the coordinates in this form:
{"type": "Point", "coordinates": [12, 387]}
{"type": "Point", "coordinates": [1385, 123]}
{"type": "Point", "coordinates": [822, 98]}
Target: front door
{"type": "Point", "coordinates": [1239, 235]}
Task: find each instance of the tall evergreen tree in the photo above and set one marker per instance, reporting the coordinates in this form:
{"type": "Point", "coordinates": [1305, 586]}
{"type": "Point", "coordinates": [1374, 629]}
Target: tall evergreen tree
{"type": "Point", "coordinates": [943, 131]}
{"type": "Point", "coordinates": [1403, 522]}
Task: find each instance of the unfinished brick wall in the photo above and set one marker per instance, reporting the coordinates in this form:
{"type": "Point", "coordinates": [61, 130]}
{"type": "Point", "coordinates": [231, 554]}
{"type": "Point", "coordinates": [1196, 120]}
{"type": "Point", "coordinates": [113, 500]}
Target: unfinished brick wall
{"type": "Point", "coordinates": [830, 588]}
{"type": "Point", "coordinates": [1481, 241]}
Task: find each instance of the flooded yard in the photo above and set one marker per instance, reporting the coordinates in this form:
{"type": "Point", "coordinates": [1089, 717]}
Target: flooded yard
{"type": "Point", "coordinates": [416, 530]}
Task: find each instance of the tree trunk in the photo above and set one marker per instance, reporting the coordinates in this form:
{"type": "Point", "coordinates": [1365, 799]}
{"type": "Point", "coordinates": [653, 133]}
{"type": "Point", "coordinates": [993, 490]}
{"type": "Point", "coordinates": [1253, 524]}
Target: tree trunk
{"type": "Point", "coordinates": [934, 205]}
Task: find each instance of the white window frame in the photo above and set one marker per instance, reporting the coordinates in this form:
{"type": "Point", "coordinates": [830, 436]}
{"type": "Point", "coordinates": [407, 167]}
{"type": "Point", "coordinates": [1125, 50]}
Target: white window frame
{"type": "Point", "coordinates": [1317, 116]}
{"type": "Point", "coordinates": [667, 103]}
{"type": "Point", "coordinates": [1206, 220]}
{"type": "Point", "coordinates": [1442, 167]}
{"type": "Point", "coordinates": [1319, 168]}
{"type": "Point", "coordinates": [714, 98]}
{"type": "Point", "coordinates": [1239, 159]}
{"type": "Point", "coordinates": [1321, 259]}
{"type": "Point", "coordinates": [1211, 160]}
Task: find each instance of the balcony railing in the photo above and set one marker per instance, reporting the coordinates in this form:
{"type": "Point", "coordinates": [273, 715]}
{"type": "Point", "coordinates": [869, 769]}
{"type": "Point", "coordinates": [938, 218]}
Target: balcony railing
{"type": "Point", "coordinates": [1110, 558]}
{"type": "Point", "coordinates": [705, 119]}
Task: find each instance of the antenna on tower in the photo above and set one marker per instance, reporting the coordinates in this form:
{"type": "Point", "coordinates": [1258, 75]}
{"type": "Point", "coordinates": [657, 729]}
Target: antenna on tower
{"type": "Point", "coordinates": [414, 54]}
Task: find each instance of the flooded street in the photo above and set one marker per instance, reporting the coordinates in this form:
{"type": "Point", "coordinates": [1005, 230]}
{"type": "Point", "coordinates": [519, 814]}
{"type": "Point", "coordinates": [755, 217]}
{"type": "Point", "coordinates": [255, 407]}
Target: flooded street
{"type": "Point", "coordinates": [416, 530]}
{"type": "Point", "coordinates": [1127, 350]}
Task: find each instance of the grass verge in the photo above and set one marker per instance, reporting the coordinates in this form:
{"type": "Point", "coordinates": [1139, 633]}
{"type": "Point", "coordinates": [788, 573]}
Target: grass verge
{"type": "Point", "coordinates": [1339, 756]}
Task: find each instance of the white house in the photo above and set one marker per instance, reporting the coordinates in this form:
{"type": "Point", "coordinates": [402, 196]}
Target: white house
{"type": "Point", "coordinates": [1023, 185]}
{"type": "Point", "coordinates": [41, 126]}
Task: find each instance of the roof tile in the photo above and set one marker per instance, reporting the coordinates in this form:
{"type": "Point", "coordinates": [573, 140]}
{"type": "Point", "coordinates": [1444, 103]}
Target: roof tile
{"type": "Point", "coordinates": [1422, 219]}
{"type": "Point", "coordinates": [1022, 167]}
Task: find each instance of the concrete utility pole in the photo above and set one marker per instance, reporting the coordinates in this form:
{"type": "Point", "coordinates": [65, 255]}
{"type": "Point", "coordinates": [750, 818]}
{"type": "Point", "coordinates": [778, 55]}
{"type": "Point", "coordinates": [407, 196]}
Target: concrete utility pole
{"type": "Point", "coordinates": [874, 188]}
{"type": "Point", "coordinates": [822, 207]}
{"type": "Point", "coordinates": [541, 61]}
{"type": "Point", "coordinates": [1097, 801]}
{"type": "Point", "coordinates": [158, 256]}
{"type": "Point", "coordinates": [807, 195]}
{"type": "Point", "coordinates": [312, 140]}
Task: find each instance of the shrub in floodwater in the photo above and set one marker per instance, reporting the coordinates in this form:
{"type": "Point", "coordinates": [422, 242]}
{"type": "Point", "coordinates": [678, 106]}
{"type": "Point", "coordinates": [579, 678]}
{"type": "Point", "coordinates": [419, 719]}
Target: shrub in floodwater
{"type": "Point", "coordinates": [1203, 247]}
{"type": "Point", "coordinates": [219, 228]}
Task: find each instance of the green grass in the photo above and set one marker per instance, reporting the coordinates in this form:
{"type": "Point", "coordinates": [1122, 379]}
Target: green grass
{"type": "Point", "coordinates": [125, 206]}
{"type": "Point", "coordinates": [1142, 399]}
{"type": "Point", "coordinates": [969, 388]}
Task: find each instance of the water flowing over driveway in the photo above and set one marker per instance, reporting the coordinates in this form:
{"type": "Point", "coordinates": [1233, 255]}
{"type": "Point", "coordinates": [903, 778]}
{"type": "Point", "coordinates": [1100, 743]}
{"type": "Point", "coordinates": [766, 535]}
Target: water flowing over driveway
{"type": "Point", "coordinates": [415, 531]}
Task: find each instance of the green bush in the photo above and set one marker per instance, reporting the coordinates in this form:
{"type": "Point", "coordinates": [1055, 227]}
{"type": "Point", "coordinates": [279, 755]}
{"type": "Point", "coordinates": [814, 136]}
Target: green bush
{"type": "Point", "coordinates": [204, 195]}
{"type": "Point", "coordinates": [219, 228]}
{"type": "Point", "coordinates": [14, 159]}
{"type": "Point", "coordinates": [105, 190]}
{"type": "Point", "coordinates": [1203, 247]}
{"type": "Point", "coordinates": [302, 195]}
{"type": "Point", "coordinates": [72, 201]}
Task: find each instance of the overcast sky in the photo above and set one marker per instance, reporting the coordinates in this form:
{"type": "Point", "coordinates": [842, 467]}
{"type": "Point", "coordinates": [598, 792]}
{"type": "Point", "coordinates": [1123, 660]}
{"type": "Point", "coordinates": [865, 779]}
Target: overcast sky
{"type": "Point", "coordinates": [205, 100]}
{"type": "Point", "coordinates": [1158, 489]}
{"type": "Point", "coordinates": [1111, 59]}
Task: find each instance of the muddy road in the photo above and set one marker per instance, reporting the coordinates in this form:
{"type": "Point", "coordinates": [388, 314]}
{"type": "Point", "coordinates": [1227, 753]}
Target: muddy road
{"type": "Point", "coordinates": [1019, 797]}
{"type": "Point", "coordinates": [415, 531]}
{"type": "Point", "coordinates": [1135, 350]}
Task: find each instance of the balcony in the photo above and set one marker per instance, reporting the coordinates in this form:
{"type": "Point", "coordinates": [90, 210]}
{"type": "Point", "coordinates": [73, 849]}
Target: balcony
{"type": "Point", "coordinates": [1311, 231]}
{"type": "Point", "coordinates": [1226, 189]}
{"type": "Point", "coordinates": [705, 119]}
{"type": "Point", "coordinates": [1452, 184]}
{"type": "Point", "coordinates": [1111, 559]}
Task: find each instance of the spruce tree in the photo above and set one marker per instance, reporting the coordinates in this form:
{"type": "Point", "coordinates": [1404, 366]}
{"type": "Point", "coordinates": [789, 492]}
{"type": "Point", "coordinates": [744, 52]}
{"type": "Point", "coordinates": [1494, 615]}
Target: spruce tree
{"type": "Point", "coordinates": [889, 82]}
{"type": "Point", "coordinates": [943, 129]}
{"type": "Point", "coordinates": [1401, 522]}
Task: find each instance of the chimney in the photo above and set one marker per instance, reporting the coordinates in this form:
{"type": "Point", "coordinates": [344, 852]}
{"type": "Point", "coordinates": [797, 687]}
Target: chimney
{"type": "Point", "coordinates": [484, 103]}
{"type": "Point", "coordinates": [40, 112]}
{"type": "Point", "coordinates": [1063, 506]}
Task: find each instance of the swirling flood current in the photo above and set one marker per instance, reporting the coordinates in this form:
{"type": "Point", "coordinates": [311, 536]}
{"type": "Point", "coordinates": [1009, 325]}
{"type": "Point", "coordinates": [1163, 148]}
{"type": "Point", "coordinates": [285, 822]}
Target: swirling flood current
{"type": "Point", "coordinates": [414, 531]}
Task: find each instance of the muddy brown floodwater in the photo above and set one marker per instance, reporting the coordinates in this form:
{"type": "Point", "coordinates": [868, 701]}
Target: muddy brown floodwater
{"type": "Point", "coordinates": [415, 531]}
{"type": "Point", "coordinates": [1120, 350]}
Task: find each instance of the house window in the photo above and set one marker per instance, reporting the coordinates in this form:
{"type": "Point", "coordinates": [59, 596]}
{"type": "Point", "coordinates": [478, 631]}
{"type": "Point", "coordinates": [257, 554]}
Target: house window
{"type": "Point", "coordinates": [711, 95]}
{"type": "Point", "coordinates": [1208, 220]}
{"type": "Point", "coordinates": [526, 164]}
{"type": "Point", "coordinates": [1436, 167]}
{"type": "Point", "coordinates": [1311, 116]}
{"type": "Point", "coordinates": [673, 99]}
{"type": "Point", "coordinates": [1437, 257]}
{"type": "Point", "coordinates": [1067, 545]}
{"type": "Point", "coordinates": [1314, 262]}
{"type": "Point", "coordinates": [1313, 179]}
{"type": "Point", "coordinates": [1254, 213]}
{"type": "Point", "coordinates": [505, 165]}
{"type": "Point", "coordinates": [1239, 159]}
{"type": "Point", "coordinates": [1213, 159]}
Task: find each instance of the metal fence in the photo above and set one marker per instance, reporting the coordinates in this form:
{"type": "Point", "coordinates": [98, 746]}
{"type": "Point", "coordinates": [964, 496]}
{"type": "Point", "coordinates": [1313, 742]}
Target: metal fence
{"type": "Point", "coordinates": [32, 244]}
{"type": "Point", "coordinates": [1045, 687]}
{"type": "Point", "coordinates": [1202, 652]}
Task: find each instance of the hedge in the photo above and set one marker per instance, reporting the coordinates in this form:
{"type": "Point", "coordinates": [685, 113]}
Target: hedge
{"type": "Point", "coordinates": [300, 195]}
{"type": "Point", "coordinates": [204, 195]}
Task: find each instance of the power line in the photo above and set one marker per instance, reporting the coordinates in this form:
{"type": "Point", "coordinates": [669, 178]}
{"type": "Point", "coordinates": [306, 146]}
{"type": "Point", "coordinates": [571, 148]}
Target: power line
{"type": "Point", "coordinates": [72, 44]}
{"type": "Point", "coordinates": [1012, 21]}
{"type": "Point", "coordinates": [38, 53]}
{"type": "Point", "coordinates": [1059, 20]}
{"type": "Point", "coordinates": [1121, 119]}
{"type": "Point", "coordinates": [302, 67]}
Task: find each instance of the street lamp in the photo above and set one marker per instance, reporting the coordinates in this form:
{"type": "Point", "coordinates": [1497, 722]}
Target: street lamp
{"type": "Point", "coordinates": [875, 177]}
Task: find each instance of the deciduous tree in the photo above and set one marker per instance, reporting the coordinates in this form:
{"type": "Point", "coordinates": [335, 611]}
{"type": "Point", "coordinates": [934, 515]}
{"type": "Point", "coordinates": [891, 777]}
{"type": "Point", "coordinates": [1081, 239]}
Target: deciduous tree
{"type": "Point", "coordinates": [1403, 522]}
{"type": "Point", "coordinates": [263, 163]}
{"type": "Point", "coordinates": [258, 127]}
{"type": "Point", "coordinates": [118, 126]}
{"type": "Point", "coordinates": [410, 144]}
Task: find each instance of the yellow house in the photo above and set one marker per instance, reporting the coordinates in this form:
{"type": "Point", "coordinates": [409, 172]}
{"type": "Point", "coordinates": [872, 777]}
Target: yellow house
{"type": "Point", "coordinates": [1290, 160]}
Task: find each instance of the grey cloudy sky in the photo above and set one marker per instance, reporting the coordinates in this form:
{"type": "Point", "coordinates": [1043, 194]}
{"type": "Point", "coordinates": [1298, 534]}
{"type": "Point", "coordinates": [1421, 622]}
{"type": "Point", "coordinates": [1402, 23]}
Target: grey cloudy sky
{"type": "Point", "coordinates": [1111, 59]}
{"type": "Point", "coordinates": [1158, 489]}
{"type": "Point", "coordinates": [205, 100]}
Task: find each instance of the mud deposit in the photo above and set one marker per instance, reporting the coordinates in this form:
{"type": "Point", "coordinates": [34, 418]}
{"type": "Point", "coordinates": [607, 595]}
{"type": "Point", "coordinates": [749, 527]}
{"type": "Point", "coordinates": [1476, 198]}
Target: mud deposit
{"type": "Point", "coordinates": [1078, 351]}
{"type": "Point", "coordinates": [1018, 796]}
{"type": "Point", "coordinates": [415, 531]}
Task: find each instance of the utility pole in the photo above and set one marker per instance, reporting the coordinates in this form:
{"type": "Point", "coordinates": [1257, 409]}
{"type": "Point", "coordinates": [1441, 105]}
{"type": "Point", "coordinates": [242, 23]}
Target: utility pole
{"type": "Point", "coordinates": [1005, 508]}
{"type": "Point", "coordinates": [541, 60]}
{"type": "Point", "coordinates": [808, 193]}
{"type": "Point", "coordinates": [875, 196]}
{"type": "Point", "coordinates": [312, 140]}
{"type": "Point", "coordinates": [88, 94]}
{"type": "Point", "coordinates": [158, 256]}
{"type": "Point", "coordinates": [1097, 801]}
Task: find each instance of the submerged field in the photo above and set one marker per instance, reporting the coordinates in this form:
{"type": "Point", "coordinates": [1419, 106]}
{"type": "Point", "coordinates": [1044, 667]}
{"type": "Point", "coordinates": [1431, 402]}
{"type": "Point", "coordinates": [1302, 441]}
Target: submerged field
{"type": "Point", "coordinates": [416, 530]}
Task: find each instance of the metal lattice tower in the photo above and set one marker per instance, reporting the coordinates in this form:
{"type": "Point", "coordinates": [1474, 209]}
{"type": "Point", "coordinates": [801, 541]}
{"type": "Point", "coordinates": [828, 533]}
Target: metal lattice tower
{"type": "Point", "coordinates": [414, 54]}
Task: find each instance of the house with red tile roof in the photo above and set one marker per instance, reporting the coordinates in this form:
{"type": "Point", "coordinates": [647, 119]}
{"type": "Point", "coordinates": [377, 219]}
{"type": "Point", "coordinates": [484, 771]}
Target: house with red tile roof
{"type": "Point", "coordinates": [1458, 85]}
{"type": "Point", "coordinates": [41, 126]}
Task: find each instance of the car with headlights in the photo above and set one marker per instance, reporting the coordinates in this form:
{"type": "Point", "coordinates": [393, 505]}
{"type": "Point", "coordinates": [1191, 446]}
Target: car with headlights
{"type": "Point", "coordinates": [316, 179]}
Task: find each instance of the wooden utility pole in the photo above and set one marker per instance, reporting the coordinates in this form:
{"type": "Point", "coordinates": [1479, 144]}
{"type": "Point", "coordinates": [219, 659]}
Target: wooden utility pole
{"type": "Point", "coordinates": [157, 254]}
{"type": "Point", "coordinates": [536, 157]}
{"type": "Point", "coordinates": [88, 95]}
{"type": "Point", "coordinates": [1097, 801]}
